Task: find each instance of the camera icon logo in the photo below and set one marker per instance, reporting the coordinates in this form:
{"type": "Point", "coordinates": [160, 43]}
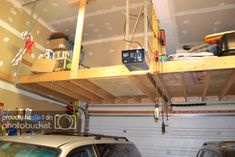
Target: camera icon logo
{"type": "Point", "coordinates": [65, 122]}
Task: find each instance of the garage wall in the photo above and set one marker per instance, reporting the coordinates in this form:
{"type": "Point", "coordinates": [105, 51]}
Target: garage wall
{"type": "Point", "coordinates": [13, 21]}
{"type": "Point", "coordinates": [184, 134]}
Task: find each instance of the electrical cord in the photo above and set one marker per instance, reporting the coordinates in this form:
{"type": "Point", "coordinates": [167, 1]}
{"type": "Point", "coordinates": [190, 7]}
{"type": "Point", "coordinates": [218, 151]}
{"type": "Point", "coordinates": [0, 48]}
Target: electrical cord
{"type": "Point", "coordinates": [130, 41]}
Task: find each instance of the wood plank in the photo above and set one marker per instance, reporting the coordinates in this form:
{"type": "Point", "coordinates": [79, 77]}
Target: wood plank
{"type": "Point", "coordinates": [100, 72]}
{"type": "Point", "coordinates": [227, 85]}
{"type": "Point", "coordinates": [202, 64]}
{"type": "Point", "coordinates": [78, 90]}
{"type": "Point", "coordinates": [184, 86]}
{"type": "Point", "coordinates": [6, 77]}
{"type": "Point", "coordinates": [206, 85]}
{"type": "Point", "coordinates": [49, 92]}
{"type": "Point", "coordinates": [142, 86]}
{"type": "Point", "coordinates": [78, 38]}
{"type": "Point", "coordinates": [26, 62]}
{"type": "Point", "coordinates": [65, 91]}
{"type": "Point", "coordinates": [45, 77]}
{"type": "Point", "coordinates": [91, 87]}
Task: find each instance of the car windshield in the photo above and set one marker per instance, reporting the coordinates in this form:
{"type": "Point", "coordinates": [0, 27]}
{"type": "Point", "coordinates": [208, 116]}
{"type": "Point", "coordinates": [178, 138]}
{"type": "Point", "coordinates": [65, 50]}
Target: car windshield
{"type": "Point", "coordinates": [11, 149]}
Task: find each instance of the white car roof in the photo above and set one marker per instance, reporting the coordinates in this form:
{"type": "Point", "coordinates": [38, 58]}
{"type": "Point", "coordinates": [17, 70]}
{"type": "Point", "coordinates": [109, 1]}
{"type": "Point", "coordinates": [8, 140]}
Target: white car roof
{"type": "Point", "coordinates": [58, 140]}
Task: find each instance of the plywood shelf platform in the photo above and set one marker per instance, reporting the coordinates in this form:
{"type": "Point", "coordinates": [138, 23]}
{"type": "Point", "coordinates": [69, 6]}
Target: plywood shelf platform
{"type": "Point", "coordinates": [204, 80]}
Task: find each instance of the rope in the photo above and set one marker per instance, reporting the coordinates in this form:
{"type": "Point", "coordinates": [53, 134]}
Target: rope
{"type": "Point", "coordinates": [31, 25]}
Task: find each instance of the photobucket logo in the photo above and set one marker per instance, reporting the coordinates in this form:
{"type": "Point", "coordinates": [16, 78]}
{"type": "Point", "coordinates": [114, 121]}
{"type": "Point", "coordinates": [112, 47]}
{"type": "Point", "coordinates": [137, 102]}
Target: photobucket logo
{"type": "Point", "coordinates": [26, 125]}
{"type": "Point", "coordinates": [65, 122]}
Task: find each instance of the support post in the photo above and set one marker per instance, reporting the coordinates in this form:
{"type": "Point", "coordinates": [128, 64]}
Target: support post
{"type": "Point", "coordinates": [78, 39]}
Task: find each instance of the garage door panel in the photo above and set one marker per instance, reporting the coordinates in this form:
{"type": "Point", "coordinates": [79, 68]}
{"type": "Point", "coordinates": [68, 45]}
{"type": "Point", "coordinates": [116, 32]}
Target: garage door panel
{"type": "Point", "coordinates": [184, 134]}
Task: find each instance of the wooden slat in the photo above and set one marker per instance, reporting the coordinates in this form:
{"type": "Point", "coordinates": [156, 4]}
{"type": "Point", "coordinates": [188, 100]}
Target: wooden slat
{"type": "Point", "coordinates": [6, 77]}
{"type": "Point", "coordinates": [227, 85]}
{"type": "Point", "coordinates": [151, 93]}
{"type": "Point", "coordinates": [45, 77]}
{"type": "Point", "coordinates": [206, 85]}
{"type": "Point", "coordinates": [78, 38]}
{"type": "Point", "coordinates": [100, 72]}
{"type": "Point", "coordinates": [49, 92]}
{"type": "Point", "coordinates": [65, 91]}
{"type": "Point", "coordinates": [184, 86]}
{"type": "Point", "coordinates": [26, 62]}
{"type": "Point", "coordinates": [76, 89]}
{"type": "Point", "coordinates": [91, 87]}
{"type": "Point", "coordinates": [202, 64]}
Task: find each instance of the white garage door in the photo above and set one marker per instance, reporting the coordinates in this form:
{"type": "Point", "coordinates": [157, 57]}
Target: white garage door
{"type": "Point", "coordinates": [184, 134]}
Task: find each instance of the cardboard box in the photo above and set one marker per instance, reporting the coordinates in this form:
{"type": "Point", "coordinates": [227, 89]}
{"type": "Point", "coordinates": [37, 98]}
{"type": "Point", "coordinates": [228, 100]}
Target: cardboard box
{"type": "Point", "coordinates": [44, 65]}
{"type": "Point", "coordinates": [59, 44]}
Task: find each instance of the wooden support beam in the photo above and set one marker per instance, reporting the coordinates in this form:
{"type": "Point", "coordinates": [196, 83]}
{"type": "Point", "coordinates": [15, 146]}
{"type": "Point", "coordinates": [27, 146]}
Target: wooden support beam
{"type": "Point", "coordinates": [202, 64]}
{"type": "Point", "coordinates": [206, 85]}
{"type": "Point", "coordinates": [184, 86]}
{"type": "Point", "coordinates": [45, 77]}
{"type": "Point", "coordinates": [49, 93]}
{"type": "Point", "coordinates": [76, 89]}
{"type": "Point", "coordinates": [6, 77]}
{"type": "Point", "coordinates": [227, 86]}
{"type": "Point", "coordinates": [78, 39]}
{"type": "Point", "coordinates": [150, 92]}
{"type": "Point", "coordinates": [26, 62]}
{"type": "Point", "coordinates": [91, 87]}
{"type": "Point", "coordinates": [99, 72]}
{"type": "Point", "coordinates": [67, 92]}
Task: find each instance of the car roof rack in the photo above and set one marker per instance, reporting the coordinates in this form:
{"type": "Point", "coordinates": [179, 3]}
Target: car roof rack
{"type": "Point", "coordinates": [82, 134]}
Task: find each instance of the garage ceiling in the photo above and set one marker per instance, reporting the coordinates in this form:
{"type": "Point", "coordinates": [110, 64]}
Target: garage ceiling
{"type": "Point", "coordinates": [185, 21]}
{"type": "Point", "coordinates": [188, 21]}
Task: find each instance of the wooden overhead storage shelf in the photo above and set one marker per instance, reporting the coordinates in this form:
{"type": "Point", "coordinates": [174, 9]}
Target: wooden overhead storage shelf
{"type": "Point", "coordinates": [201, 80]}
{"type": "Point", "coordinates": [185, 81]}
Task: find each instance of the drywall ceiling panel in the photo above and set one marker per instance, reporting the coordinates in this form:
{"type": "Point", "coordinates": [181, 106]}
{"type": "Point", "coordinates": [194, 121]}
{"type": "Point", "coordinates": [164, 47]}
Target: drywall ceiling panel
{"type": "Point", "coordinates": [53, 10]}
{"type": "Point", "coordinates": [193, 28]}
{"type": "Point", "coordinates": [106, 52]}
{"type": "Point", "coordinates": [182, 5]}
{"type": "Point", "coordinates": [100, 5]}
{"type": "Point", "coordinates": [98, 27]}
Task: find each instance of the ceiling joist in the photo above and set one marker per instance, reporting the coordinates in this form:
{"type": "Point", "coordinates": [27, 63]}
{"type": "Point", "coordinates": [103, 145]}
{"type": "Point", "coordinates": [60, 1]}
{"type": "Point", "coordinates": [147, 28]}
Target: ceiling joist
{"type": "Point", "coordinates": [227, 86]}
{"type": "Point", "coordinates": [206, 85]}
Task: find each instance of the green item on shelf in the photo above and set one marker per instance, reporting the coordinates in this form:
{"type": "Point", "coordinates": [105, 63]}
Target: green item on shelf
{"type": "Point", "coordinates": [68, 66]}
